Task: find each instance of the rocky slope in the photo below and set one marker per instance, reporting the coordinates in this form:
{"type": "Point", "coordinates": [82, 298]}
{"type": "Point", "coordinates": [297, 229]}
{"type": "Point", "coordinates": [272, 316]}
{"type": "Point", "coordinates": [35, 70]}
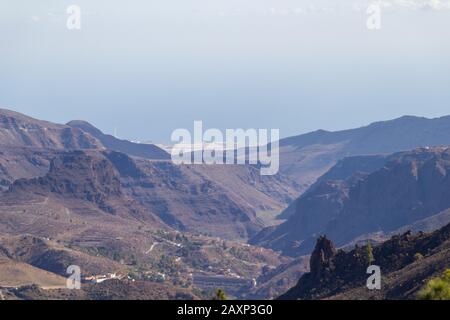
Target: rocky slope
{"type": "Point", "coordinates": [108, 290]}
{"type": "Point", "coordinates": [53, 257]}
{"type": "Point", "coordinates": [412, 186]}
{"type": "Point", "coordinates": [24, 163]}
{"type": "Point", "coordinates": [148, 151]}
{"type": "Point", "coordinates": [343, 170]}
{"type": "Point", "coordinates": [156, 192]}
{"type": "Point", "coordinates": [407, 261]}
{"type": "Point", "coordinates": [225, 201]}
{"type": "Point", "coordinates": [48, 231]}
{"type": "Point", "coordinates": [82, 175]}
{"type": "Point", "coordinates": [195, 198]}
{"type": "Point", "coordinates": [72, 197]}
{"type": "Point", "coordinates": [19, 130]}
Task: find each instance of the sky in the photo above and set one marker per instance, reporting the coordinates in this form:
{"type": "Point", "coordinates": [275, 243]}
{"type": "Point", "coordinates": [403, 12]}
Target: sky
{"type": "Point", "coordinates": [144, 68]}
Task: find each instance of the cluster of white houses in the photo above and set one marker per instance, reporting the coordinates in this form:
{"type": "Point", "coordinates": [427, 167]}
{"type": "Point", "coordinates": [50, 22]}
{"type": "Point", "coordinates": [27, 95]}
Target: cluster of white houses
{"type": "Point", "coordinates": [103, 277]}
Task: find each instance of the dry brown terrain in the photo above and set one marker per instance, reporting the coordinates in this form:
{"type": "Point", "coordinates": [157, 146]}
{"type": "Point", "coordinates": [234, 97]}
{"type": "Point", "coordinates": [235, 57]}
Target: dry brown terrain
{"type": "Point", "coordinates": [16, 274]}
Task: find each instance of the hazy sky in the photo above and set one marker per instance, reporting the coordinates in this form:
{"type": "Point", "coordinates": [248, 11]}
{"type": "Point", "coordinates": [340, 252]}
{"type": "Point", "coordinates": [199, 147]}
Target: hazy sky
{"type": "Point", "coordinates": [148, 67]}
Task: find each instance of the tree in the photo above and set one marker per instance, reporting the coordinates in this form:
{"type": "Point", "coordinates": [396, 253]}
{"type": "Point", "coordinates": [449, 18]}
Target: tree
{"type": "Point", "coordinates": [369, 249]}
{"type": "Point", "coordinates": [437, 288]}
{"type": "Point", "coordinates": [220, 295]}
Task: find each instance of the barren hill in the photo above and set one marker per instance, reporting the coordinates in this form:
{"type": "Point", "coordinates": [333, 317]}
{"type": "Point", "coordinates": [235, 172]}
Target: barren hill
{"type": "Point", "coordinates": [148, 151]}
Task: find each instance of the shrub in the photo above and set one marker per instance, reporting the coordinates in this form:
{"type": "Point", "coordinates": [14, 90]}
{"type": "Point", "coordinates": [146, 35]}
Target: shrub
{"type": "Point", "coordinates": [220, 295]}
{"type": "Point", "coordinates": [437, 288]}
{"type": "Point", "coordinates": [369, 253]}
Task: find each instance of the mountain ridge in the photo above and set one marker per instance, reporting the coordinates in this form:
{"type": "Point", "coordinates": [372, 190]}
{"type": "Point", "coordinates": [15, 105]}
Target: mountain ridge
{"type": "Point", "coordinates": [148, 151]}
{"type": "Point", "coordinates": [307, 157]}
{"type": "Point", "coordinates": [410, 187]}
{"type": "Point", "coordinates": [406, 261]}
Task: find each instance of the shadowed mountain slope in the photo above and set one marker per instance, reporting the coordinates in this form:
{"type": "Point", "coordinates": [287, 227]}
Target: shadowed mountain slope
{"type": "Point", "coordinates": [412, 186]}
{"type": "Point", "coordinates": [306, 157]}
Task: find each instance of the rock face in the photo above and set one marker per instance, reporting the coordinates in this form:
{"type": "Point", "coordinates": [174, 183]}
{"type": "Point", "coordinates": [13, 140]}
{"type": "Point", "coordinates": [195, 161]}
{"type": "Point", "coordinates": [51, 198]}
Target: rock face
{"type": "Point", "coordinates": [312, 213]}
{"type": "Point", "coordinates": [148, 151]}
{"type": "Point", "coordinates": [322, 258]}
{"type": "Point", "coordinates": [412, 186]}
{"type": "Point", "coordinates": [187, 198]}
{"type": "Point", "coordinates": [406, 262]}
{"type": "Point", "coordinates": [309, 215]}
{"type": "Point", "coordinates": [350, 167]}
{"type": "Point", "coordinates": [49, 256]}
{"type": "Point", "coordinates": [40, 157]}
{"type": "Point", "coordinates": [77, 175]}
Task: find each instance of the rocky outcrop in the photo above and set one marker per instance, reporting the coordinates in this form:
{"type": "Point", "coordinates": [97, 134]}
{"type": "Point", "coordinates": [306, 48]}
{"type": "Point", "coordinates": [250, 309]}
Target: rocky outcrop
{"type": "Point", "coordinates": [321, 261]}
{"type": "Point", "coordinates": [77, 175]}
{"type": "Point", "coordinates": [336, 273]}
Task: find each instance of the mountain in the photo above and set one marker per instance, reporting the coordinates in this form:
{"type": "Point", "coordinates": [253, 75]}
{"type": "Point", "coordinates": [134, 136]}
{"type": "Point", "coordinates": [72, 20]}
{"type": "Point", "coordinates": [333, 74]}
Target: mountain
{"type": "Point", "coordinates": [343, 170]}
{"type": "Point", "coordinates": [108, 290]}
{"type": "Point", "coordinates": [410, 187]}
{"type": "Point", "coordinates": [71, 195]}
{"type": "Point", "coordinates": [28, 145]}
{"type": "Point", "coordinates": [89, 210]}
{"type": "Point", "coordinates": [406, 261]}
{"type": "Point", "coordinates": [148, 151]}
{"type": "Point", "coordinates": [19, 130]}
{"type": "Point", "coordinates": [52, 256]}
{"type": "Point", "coordinates": [85, 176]}
{"type": "Point", "coordinates": [227, 201]}
{"type": "Point", "coordinates": [275, 281]}
{"type": "Point", "coordinates": [306, 157]}
{"type": "Point", "coordinates": [108, 211]}
{"type": "Point", "coordinates": [15, 274]}
{"type": "Point", "coordinates": [158, 192]}
{"type": "Point", "coordinates": [188, 198]}
{"type": "Point", "coordinates": [23, 162]}
{"type": "Point", "coordinates": [309, 214]}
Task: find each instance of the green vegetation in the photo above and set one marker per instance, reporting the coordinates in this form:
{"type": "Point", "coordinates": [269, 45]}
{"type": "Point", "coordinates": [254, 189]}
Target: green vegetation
{"type": "Point", "coordinates": [369, 249]}
{"type": "Point", "coordinates": [167, 265]}
{"type": "Point", "coordinates": [437, 288]}
{"type": "Point", "coordinates": [220, 295]}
